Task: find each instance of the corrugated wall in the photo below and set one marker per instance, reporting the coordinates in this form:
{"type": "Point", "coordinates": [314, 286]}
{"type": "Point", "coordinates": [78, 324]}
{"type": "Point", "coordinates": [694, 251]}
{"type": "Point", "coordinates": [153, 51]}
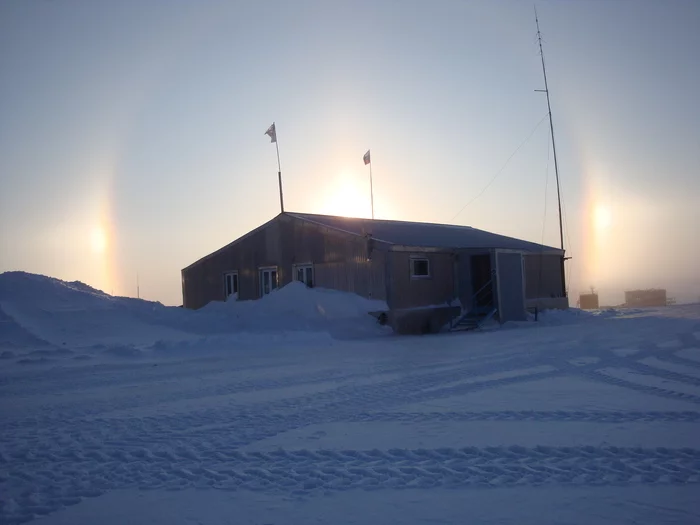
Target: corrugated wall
{"type": "Point", "coordinates": [339, 259]}
{"type": "Point", "coordinates": [204, 281]}
{"type": "Point", "coordinates": [405, 292]}
{"type": "Point", "coordinates": [545, 283]}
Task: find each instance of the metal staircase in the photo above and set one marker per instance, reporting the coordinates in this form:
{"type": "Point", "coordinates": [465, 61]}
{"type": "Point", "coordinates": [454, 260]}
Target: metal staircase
{"type": "Point", "coordinates": [482, 311]}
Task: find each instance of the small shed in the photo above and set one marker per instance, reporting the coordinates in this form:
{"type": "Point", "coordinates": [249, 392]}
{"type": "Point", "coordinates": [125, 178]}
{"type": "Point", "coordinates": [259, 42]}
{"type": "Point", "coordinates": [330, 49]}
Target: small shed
{"type": "Point", "coordinates": [589, 301]}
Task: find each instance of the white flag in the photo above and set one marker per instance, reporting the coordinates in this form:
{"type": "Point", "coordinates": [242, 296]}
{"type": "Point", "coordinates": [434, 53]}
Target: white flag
{"type": "Point", "coordinates": [272, 133]}
{"type": "Point", "coordinates": [366, 158]}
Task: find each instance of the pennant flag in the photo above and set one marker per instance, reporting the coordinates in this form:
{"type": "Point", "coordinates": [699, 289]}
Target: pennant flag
{"type": "Point", "coordinates": [366, 158]}
{"type": "Point", "coordinates": [272, 133]}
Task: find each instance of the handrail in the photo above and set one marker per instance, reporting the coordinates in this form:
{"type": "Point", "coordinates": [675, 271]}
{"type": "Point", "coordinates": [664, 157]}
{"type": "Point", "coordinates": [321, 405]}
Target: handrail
{"type": "Point", "coordinates": [483, 287]}
{"type": "Point", "coordinates": [489, 283]}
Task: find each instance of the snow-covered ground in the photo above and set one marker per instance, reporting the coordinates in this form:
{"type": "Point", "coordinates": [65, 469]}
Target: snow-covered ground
{"type": "Point", "coordinates": [301, 409]}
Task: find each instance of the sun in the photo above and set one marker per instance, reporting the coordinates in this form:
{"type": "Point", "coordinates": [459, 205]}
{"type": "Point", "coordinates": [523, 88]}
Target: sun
{"type": "Point", "coordinates": [602, 217]}
{"type": "Point", "coordinates": [347, 199]}
{"type": "Point", "coordinates": [98, 240]}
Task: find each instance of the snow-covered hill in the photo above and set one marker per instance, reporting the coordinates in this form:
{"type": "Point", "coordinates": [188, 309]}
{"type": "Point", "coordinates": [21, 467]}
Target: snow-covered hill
{"type": "Point", "coordinates": [284, 411]}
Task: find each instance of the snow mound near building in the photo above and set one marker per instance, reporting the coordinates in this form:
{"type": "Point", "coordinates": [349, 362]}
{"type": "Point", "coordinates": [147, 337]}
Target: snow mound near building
{"type": "Point", "coordinates": [39, 311]}
{"type": "Point", "coordinates": [295, 307]}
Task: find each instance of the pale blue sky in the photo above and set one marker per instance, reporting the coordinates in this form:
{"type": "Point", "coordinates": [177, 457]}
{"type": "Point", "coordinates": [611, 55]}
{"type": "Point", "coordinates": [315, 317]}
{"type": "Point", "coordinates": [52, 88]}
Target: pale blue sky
{"type": "Point", "coordinates": [131, 132]}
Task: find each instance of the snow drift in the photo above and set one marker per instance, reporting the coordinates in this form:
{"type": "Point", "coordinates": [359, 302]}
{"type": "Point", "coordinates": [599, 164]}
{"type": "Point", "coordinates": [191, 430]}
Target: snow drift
{"type": "Point", "coordinates": [42, 311]}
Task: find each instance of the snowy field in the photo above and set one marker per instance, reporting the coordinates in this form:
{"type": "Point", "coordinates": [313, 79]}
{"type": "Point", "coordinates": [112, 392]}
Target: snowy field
{"type": "Point", "coordinates": [300, 409]}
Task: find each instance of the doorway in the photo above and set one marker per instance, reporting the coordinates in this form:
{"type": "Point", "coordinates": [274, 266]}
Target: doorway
{"type": "Point", "coordinates": [482, 284]}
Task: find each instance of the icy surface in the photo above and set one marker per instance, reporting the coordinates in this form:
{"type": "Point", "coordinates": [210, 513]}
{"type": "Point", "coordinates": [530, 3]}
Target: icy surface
{"type": "Point", "coordinates": [301, 409]}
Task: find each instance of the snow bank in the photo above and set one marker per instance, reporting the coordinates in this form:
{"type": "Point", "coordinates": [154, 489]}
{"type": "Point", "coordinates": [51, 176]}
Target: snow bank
{"type": "Point", "coordinates": [38, 311]}
{"type": "Point", "coordinates": [296, 303]}
{"type": "Point", "coordinates": [292, 309]}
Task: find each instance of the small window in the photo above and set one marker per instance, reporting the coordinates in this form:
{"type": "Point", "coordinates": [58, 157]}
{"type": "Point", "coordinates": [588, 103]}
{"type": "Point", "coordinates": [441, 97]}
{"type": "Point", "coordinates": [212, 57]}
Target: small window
{"type": "Point", "coordinates": [420, 268]}
{"type": "Point", "coordinates": [231, 285]}
{"type": "Point", "coordinates": [305, 274]}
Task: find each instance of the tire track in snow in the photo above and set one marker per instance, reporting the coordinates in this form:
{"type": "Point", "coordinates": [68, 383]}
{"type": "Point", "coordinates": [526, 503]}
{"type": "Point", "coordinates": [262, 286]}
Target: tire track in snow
{"type": "Point", "coordinates": [647, 369]}
{"type": "Point", "coordinates": [680, 360]}
{"type": "Point", "coordinates": [599, 375]}
{"type": "Point", "coordinates": [309, 471]}
{"type": "Point", "coordinates": [526, 415]}
{"type": "Point", "coordinates": [347, 400]}
{"type": "Point", "coordinates": [247, 426]}
{"type": "Point", "coordinates": [125, 435]}
{"type": "Point", "coordinates": [55, 461]}
{"type": "Point", "coordinates": [341, 404]}
{"type": "Point", "coordinates": [340, 395]}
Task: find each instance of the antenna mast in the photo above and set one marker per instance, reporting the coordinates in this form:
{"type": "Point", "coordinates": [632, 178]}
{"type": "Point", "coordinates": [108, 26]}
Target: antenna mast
{"type": "Point", "coordinates": [551, 128]}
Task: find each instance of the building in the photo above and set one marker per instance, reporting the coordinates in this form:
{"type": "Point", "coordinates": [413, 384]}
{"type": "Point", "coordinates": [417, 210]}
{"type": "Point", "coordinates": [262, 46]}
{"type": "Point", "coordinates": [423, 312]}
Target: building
{"type": "Point", "coordinates": [588, 301]}
{"type": "Point", "coordinates": [412, 266]}
{"type": "Point", "coordinates": [641, 298]}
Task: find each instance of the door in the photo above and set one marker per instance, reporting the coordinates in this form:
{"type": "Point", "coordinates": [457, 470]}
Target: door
{"type": "Point", "coordinates": [511, 286]}
{"type": "Point", "coordinates": [268, 280]}
{"type": "Point", "coordinates": [482, 285]}
{"type": "Point", "coordinates": [231, 286]}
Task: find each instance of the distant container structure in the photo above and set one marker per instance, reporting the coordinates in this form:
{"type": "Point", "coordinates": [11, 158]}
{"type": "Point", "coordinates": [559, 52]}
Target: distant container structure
{"type": "Point", "coordinates": [651, 297]}
{"type": "Point", "coordinates": [588, 301]}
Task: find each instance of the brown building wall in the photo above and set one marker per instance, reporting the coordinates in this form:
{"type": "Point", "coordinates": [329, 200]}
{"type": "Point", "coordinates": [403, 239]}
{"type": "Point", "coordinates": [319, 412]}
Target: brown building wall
{"type": "Point", "coordinates": [204, 281]}
{"type": "Point", "coordinates": [653, 297]}
{"type": "Point", "coordinates": [405, 292]}
{"type": "Point", "coordinates": [348, 262]}
{"type": "Point", "coordinates": [589, 301]}
{"type": "Point", "coordinates": [545, 283]}
{"type": "Point", "coordinates": [340, 262]}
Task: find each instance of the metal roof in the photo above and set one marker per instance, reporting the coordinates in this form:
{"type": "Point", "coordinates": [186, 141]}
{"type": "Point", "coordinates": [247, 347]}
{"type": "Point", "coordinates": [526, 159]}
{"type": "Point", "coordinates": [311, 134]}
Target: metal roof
{"type": "Point", "coordinates": [423, 234]}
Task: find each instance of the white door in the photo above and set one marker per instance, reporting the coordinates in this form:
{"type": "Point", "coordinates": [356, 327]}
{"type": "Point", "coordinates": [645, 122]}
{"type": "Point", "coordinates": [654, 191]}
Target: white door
{"type": "Point", "coordinates": [268, 280]}
{"type": "Point", "coordinates": [231, 286]}
{"type": "Point", "coordinates": [510, 286]}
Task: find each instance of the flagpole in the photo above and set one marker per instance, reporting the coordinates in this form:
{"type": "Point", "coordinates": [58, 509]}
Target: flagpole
{"type": "Point", "coordinates": [371, 188]}
{"type": "Point", "coordinates": [279, 174]}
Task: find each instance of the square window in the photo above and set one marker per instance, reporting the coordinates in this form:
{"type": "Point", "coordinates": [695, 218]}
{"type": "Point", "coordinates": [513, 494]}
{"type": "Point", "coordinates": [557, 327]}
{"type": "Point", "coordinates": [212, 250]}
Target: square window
{"type": "Point", "coordinates": [420, 268]}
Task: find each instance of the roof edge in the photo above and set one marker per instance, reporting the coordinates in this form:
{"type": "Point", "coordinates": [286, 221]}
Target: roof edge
{"type": "Point", "coordinates": [234, 242]}
{"type": "Point", "coordinates": [301, 217]}
{"type": "Point", "coordinates": [536, 247]}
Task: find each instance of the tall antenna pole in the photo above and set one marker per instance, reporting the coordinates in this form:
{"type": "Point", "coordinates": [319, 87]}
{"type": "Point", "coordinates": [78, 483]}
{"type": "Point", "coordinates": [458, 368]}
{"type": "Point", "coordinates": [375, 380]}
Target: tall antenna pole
{"type": "Point", "coordinates": [551, 128]}
{"type": "Point", "coordinates": [554, 151]}
{"type": "Point", "coordinates": [138, 291]}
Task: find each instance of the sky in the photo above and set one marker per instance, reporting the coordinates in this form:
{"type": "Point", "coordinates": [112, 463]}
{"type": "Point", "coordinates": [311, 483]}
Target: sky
{"type": "Point", "coordinates": [132, 133]}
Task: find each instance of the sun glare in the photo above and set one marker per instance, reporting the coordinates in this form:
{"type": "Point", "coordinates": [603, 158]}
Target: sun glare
{"type": "Point", "coordinates": [346, 199]}
{"type": "Point", "coordinates": [98, 240]}
{"type": "Point", "coordinates": [602, 217]}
